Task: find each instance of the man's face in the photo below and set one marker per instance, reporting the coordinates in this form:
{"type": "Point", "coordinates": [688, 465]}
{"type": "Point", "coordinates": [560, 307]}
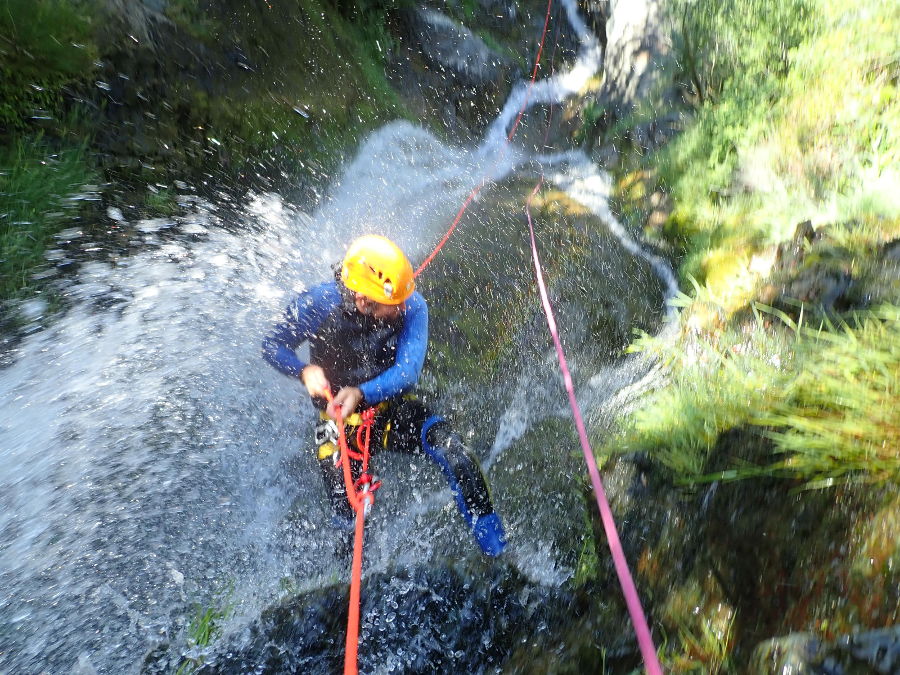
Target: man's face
{"type": "Point", "coordinates": [374, 309]}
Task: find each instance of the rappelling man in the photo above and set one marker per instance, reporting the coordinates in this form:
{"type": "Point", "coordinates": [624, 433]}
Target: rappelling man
{"type": "Point", "coordinates": [368, 333]}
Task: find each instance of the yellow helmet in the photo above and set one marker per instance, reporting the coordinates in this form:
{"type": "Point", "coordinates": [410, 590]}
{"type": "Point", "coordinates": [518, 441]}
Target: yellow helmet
{"type": "Point", "coordinates": [377, 268]}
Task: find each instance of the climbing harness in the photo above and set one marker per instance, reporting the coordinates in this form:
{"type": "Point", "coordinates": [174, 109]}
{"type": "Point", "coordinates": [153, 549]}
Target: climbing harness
{"type": "Point", "coordinates": [361, 495]}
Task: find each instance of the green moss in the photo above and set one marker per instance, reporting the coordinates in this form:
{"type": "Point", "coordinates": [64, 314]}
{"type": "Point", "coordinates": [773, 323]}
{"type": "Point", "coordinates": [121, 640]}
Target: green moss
{"type": "Point", "coordinates": [271, 114]}
{"type": "Point", "coordinates": [192, 18]}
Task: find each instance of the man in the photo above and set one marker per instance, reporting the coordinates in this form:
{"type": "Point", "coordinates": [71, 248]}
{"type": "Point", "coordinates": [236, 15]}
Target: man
{"type": "Point", "coordinates": [368, 332]}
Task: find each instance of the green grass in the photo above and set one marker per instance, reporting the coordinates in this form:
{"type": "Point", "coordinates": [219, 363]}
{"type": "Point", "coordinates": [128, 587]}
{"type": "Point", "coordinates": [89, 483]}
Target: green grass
{"type": "Point", "coordinates": [34, 185]}
{"type": "Point", "coordinates": [162, 202]}
{"type": "Point", "coordinates": [825, 396]}
{"type": "Point", "coordinates": [713, 385]}
{"type": "Point", "coordinates": [839, 415]}
{"type": "Point", "coordinates": [202, 631]}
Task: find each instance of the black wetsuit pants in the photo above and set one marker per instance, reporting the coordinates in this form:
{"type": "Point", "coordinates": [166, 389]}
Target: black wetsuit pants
{"type": "Point", "coordinates": [406, 425]}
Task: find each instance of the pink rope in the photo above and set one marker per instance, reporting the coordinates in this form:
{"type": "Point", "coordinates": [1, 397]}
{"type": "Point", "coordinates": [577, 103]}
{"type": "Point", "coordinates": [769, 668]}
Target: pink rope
{"type": "Point", "coordinates": [645, 641]}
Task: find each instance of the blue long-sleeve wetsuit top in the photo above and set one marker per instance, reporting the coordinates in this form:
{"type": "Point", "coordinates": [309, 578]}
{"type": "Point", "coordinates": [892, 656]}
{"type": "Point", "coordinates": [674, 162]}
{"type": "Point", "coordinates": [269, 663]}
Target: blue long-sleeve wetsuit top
{"type": "Point", "coordinates": [382, 358]}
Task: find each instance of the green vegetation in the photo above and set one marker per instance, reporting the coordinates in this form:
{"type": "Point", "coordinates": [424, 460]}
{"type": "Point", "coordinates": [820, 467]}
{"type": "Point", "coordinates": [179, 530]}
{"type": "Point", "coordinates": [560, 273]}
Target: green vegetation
{"type": "Point", "coordinates": [46, 48]}
{"type": "Point", "coordinates": [792, 103]}
{"type": "Point", "coordinates": [45, 45]}
{"type": "Point", "coordinates": [308, 83]}
{"type": "Point", "coordinates": [777, 405]}
{"type": "Point", "coordinates": [34, 185]}
{"type": "Point", "coordinates": [704, 636]}
{"type": "Point", "coordinates": [825, 397]}
{"type": "Point", "coordinates": [794, 123]}
{"type": "Point", "coordinates": [204, 628]}
{"type": "Point", "coordinates": [842, 417]}
{"type": "Point", "coordinates": [243, 91]}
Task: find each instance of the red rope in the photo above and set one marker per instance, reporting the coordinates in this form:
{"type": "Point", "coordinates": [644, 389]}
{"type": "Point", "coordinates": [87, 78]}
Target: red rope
{"type": "Point", "coordinates": [361, 496]}
{"type": "Point", "coordinates": [477, 189]}
{"type": "Point", "coordinates": [537, 62]}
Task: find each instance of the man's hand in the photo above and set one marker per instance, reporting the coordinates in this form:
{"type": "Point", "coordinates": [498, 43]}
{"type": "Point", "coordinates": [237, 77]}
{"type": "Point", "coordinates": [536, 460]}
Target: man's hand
{"type": "Point", "coordinates": [316, 382]}
{"type": "Point", "coordinates": [346, 399]}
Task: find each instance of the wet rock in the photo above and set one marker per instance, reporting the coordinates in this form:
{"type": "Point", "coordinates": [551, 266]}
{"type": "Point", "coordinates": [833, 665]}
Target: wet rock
{"type": "Point", "coordinates": [503, 10]}
{"type": "Point", "coordinates": [636, 57]}
{"type": "Point", "coordinates": [142, 18]}
{"type": "Point", "coordinates": [876, 651]}
{"type": "Point", "coordinates": [816, 282]}
{"type": "Point", "coordinates": [791, 654]}
{"type": "Point", "coordinates": [813, 271]}
{"type": "Point", "coordinates": [451, 48]}
{"type": "Point", "coordinates": [448, 72]}
{"type": "Point", "coordinates": [421, 620]}
{"type": "Point", "coordinates": [883, 282]}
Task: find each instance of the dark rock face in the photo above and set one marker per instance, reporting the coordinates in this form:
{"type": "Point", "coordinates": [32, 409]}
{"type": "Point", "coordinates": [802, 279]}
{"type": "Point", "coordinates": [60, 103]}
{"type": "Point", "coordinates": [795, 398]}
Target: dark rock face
{"type": "Point", "coordinates": [801, 282]}
{"type": "Point", "coordinates": [449, 73]}
{"type": "Point", "coordinates": [451, 48]}
{"type": "Point", "coordinates": [814, 272]}
{"type": "Point", "coordinates": [416, 620]}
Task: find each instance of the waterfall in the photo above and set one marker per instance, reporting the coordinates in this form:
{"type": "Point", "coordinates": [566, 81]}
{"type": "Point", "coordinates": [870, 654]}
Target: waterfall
{"type": "Point", "coordinates": [149, 458]}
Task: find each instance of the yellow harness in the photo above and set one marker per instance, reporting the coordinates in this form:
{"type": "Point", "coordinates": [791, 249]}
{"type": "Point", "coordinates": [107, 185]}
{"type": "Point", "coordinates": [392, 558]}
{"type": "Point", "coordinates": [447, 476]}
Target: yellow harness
{"type": "Point", "coordinates": [327, 435]}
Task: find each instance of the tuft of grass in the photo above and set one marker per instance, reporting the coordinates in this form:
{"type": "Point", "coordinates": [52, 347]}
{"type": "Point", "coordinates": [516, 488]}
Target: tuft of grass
{"type": "Point", "coordinates": [35, 183]}
{"type": "Point", "coordinates": [586, 569]}
{"type": "Point", "coordinates": [715, 383]}
{"type": "Point", "coordinates": [161, 201]}
{"type": "Point", "coordinates": [825, 396]}
{"type": "Point", "coordinates": [204, 628]}
{"type": "Point", "coordinates": [192, 18]}
{"type": "Point", "coordinates": [839, 415]}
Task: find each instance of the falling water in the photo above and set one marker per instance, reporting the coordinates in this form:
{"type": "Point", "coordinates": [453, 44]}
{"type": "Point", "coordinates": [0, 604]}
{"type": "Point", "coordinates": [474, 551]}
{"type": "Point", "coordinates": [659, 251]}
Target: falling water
{"type": "Point", "coordinates": [149, 457]}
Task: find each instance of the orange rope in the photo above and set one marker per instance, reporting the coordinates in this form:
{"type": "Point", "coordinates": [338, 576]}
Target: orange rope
{"type": "Point", "coordinates": [361, 497]}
